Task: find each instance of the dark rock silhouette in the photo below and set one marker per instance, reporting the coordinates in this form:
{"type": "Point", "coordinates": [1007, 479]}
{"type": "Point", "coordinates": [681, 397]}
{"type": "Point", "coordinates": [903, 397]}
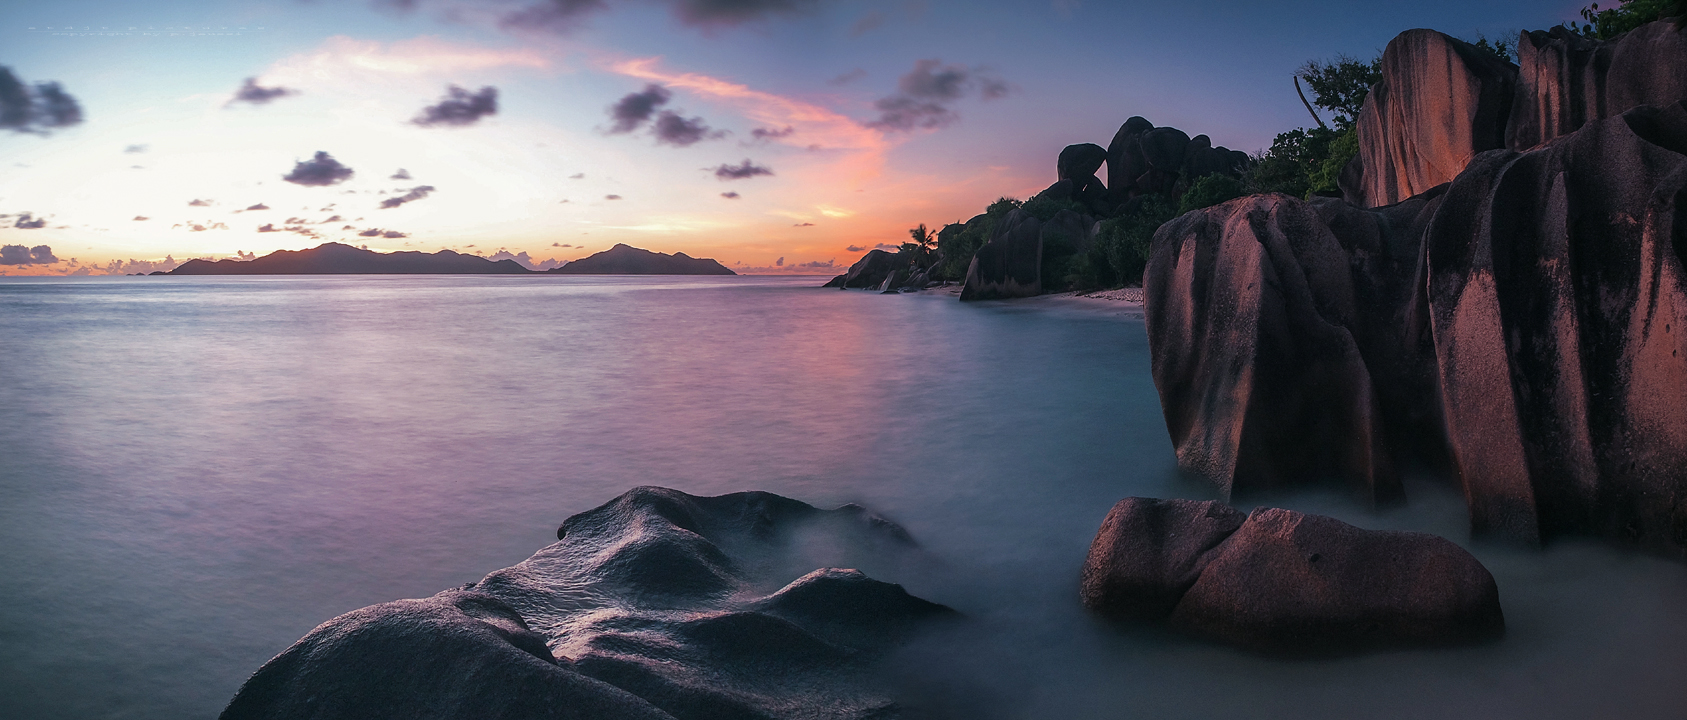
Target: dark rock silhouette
{"type": "Point", "coordinates": [1078, 162]}
{"type": "Point", "coordinates": [341, 259]}
{"type": "Point", "coordinates": [868, 272]}
{"type": "Point", "coordinates": [624, 259]}
{"type": "Point", "coordinates": [1533, 345]}
{"type": "Point", "coordinates": [1010, 264]}
{"type": "Point", "coordinates": [1440, 102]}
{"type": "Point", "coordinates": [1285, 582]}
{"type": "Point", "coordinates": [1568, 80]}
{"type": "Point", "coordinates": [652, 605]}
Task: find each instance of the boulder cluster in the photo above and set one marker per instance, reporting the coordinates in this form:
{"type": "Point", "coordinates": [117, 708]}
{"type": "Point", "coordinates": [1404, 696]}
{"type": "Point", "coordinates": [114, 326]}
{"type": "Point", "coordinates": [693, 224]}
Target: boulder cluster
{"type": "Point", "coordinates": [1442, 101]}
{"type": "Point", "coordinates": [1280, 581]}
{"type": "Point", "coordinates": [1513, 315]}
{"type": "Point", "coordinates": [645, 607]}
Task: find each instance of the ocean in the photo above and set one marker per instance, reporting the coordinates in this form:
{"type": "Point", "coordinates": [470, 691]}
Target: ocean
{"type": "Point", "coordinates": [194, 472]}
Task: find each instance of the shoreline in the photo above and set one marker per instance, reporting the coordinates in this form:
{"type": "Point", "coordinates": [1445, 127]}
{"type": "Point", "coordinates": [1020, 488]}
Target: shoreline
{"type": "Point", "coordinates": [1127, 302]}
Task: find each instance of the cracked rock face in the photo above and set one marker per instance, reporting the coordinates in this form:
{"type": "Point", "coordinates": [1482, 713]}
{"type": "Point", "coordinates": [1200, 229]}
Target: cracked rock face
{"type": "Point", "coordinates": [654, 605]}
{"type": "Point", "coordinates": [1280, 581]}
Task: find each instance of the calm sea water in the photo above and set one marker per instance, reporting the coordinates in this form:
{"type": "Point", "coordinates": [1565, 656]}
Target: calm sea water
{"type": "Point", "coordinates": [194, 472]}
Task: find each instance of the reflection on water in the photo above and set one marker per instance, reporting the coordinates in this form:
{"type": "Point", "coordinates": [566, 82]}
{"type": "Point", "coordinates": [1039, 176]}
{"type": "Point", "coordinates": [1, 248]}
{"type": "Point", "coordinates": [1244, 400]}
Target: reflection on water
{"type": "Point", "coordinates": [194, 472]}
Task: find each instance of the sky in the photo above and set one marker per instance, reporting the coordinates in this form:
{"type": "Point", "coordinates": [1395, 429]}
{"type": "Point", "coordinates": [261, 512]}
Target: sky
{"type": "Point", "coordinates": [776, 136]}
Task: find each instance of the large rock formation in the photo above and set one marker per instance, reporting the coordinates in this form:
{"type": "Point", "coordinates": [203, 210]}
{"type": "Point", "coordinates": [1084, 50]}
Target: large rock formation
{"type": "Point", "coordinates": [1533, 345]}
{"type": "Point", "coordinates": [1282, 581]}
{"type": "Point", "coordinates": [1146, 159]}
{"type": "Point", "coordinates": [625, 259]}
{"type": "Point", "coordinates": [1568, 80]}
{"type": "Point", "coordinates": [341, 259]}
{"type": "Point", "coordinates": [869, 272]}
{"type": "Point", "coordinates": [1557, 298]}
{"type": "Point", "coordinates": [1261, 379]}
{"type": "Point", "coordinates": [651, 606]}
{"type": "Point", "coordinates": [1441, 101]}
{"type": "Point", "coordinates": [1010, 265]}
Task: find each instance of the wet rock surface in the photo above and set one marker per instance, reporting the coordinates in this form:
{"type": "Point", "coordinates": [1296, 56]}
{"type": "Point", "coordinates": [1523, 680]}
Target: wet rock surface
{"type": "Point", "coordinates": [654, 605]}
{"type": "Point", "coordinates": [1280, 581]}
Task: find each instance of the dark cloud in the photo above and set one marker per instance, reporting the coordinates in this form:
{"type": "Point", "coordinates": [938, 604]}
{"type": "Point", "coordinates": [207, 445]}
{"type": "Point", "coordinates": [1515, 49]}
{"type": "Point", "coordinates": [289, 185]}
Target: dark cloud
{"type": "Point", "coordinates": [135, 149]}
{"type": "Point", "coordinates": [394, 235]}
{"type": "Point", "coordinates": [855, 248]}
{"type": "Point", "coordinates": [576, 176]}
{"type": "Point", "coordinates": [612, 197]}
{"type": "Point", "coordinates": [806, 224]}
{"type": "Point", "coordinates": [816, 264]}
{"type": "Point", "coordinates": [27, 222]}
{"type": "Point", "coordinates": [762, 135]}
{"type": "Point", "coordinates": [202, 228]}
{"type": "Point", "coordinates": [20, 255]}
{"type": "Point", "coordinates": [730, 195]}
{"type": "Point", "coordinates": [251, 92]}
{"type": "Point", "coordinates": [348, 227]}
{"type": "Point", "coordinates": [561, 245]}
{"type": "Point", "coordinates": [37, 109]}
{"type": "Point", "coordinates": [848, 77]}
{"type": "Point", "coordinates": [268, 227]}
{"type": "Point", "coordinates": [199, 203]}
{"type": "Point", "coordinates": [319, 171]}
{"type": "Point", "coordinates": [869, 22]}
{"type": "Point", "coordinates": [259, 206]}
{"type": "Point", "coordinates": [567, 15]}
{"type": "Point", "coordinates": [671, 128]}
{"type": "Point", "coordinates": [779, 263]}
{"type": "Point", "coordinates": [553, 15]}
{"type": "Point", "coordinates": [402, 174]}
{"type": "Point", "coordinates": [416, 193]}
{"type": "Point", "coordinates": [924, 96]}
{"type": "Point", "coordinates": [296, 221]}
{"type": "Point", "coordinates": [388, 234]}
{"type": "Point", "coordinates": [740, 172]}
{"type": "Point", "coordinates": [459, 107]}
{"type": "Point", "coordinates": [141, 218]}
{"type": "Point", "coordinates": [634, 109]}
{"type": "Point", "coordinates": [712, 13]}
{"type": "Point", "coordinates": [331, 219]}
{"type": "Point", "coordinates": [371, 232]}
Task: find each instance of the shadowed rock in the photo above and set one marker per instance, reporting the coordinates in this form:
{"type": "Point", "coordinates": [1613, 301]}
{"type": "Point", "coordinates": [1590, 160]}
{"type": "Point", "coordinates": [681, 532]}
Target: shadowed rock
{"type": "Point", "coordinates": [1567, 80]}
{"type": "Point", "coordinates": [1080, 161]}
{"type": "Point", "coordinates": [625, 259]}
{"type": "Point", "coordinates": [1261, 381]}
{"type": "Point", "coordinates": [1440, 102]}
{"type": "Point", "coordinates": [1125, 162]}
{"type": "Point", "coordinates": [868, 272]}
{"type": "Point", "coordinates": [1557, 298]}
{"type": "Point", "coordinates": [1010, 264]}
{"type": "Point", "coordinates": [1285, 582]}
{"type": "Point", "coordinates": [655, 605]}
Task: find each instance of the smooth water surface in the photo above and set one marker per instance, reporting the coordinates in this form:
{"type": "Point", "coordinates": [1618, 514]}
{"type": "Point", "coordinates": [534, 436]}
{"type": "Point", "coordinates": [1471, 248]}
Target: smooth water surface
{"type": "Point", "coordinates": [194, 472]}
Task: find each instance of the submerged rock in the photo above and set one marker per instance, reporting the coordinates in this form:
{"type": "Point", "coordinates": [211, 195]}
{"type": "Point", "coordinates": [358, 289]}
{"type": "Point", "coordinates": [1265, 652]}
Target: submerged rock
{"type": "Point", "coordinates": [653, 605]}
{"type": "Point", "coordinates": [1283, 581]}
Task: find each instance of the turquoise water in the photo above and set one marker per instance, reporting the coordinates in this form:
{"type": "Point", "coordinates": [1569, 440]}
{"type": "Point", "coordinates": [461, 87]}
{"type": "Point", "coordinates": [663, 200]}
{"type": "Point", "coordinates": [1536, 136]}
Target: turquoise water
{"type": "Point", "coordinates": [194, 472]}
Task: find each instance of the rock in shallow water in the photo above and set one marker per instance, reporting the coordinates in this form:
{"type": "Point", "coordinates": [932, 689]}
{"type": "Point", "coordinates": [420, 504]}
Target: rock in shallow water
{"type": "Point", "coordinates": [650, 606]}
{"type": "Point", "coordinates": [1283, 581]}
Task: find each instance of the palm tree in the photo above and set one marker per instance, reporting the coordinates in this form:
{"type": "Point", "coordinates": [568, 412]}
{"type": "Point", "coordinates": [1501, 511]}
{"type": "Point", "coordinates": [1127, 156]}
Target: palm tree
{"type": "Point", "coordinates": [924, 242]}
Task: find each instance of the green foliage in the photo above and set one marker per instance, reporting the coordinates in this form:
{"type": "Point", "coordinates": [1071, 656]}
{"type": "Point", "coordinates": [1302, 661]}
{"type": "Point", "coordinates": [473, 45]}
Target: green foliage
{"type": "Point", "coordinates": [1295, 156]}
{"type": "Point", "coordinates": [958, 243]}
{"type": "Point", "coordinates": [1120, 252]}
{"type": "Point", "coordinates": [1499, 49]}
{"type": "Point", "coordinates": [1630, 14]}
{"type": "Point", "coordinates": [1043, 208]}
{"type": "Point", "coordinates": [1209, 190]}
{"type": "Point", "coordinates": [1325, 176]}
{"type": "Point", "coordinates": [924, 241]}
{"type": "Point", "coordinates": [1340, 85]}
{"type": "Point", "coordinates": [1058, 252]}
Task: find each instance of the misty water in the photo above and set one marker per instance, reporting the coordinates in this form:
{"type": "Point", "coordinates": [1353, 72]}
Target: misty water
{"type": "Point", "coordinates": [194, 472]}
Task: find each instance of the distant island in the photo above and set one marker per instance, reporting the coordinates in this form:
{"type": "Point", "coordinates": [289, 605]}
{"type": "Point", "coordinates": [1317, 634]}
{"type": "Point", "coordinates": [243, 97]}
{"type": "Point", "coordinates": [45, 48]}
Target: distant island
{"type": "Point", "coordinates": [628, 260]}
{"type": "Point", "coordinates": [341, 259]}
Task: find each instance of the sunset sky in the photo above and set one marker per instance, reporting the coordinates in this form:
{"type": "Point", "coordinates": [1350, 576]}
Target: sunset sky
{"type": "Point", "coordinates": [772, 135]}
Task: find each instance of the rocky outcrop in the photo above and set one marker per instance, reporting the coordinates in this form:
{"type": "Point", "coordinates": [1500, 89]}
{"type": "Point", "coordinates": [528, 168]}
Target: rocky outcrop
{"type": "Point", "coordinates": [1080, 162]}
{"type": "Point", "coordinates": [341, 259]}
{"type": "Point", "coordinates": [1440, 102]}
{"type": "Point", "coordinates": [1010, 264]}
{"type": "Point", "coordinates": [1557, 299]}
{"type": "Point", "coordinates": [1145, 159]}
{"type": "Point", "coordinates": [1533, 345]}
{"type": "Point", "coordinates": [1276, 580]}
{"type": "Point", "coordinates": [1568, 80]}
{"type": "Point", "coordinates": [869, 272]}
{"type": "Point", "coordinates": [1250, 305]}
{"type": "Point", "coordinates": [623, 259]}
{"type": "Point", "coordinates": [645, 607]}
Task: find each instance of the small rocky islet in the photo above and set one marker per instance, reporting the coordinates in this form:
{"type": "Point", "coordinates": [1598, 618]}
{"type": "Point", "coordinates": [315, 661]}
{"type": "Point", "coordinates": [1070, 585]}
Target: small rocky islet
{"type": "Point", "coordinates": [1499, 294]}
